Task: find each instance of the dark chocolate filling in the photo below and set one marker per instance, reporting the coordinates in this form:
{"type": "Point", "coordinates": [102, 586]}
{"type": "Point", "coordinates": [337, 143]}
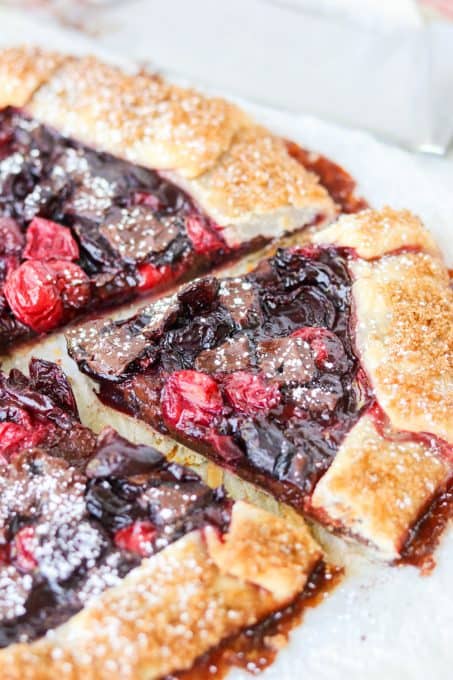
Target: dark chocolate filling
{"type": "Point", "coordinates": [280, 382]}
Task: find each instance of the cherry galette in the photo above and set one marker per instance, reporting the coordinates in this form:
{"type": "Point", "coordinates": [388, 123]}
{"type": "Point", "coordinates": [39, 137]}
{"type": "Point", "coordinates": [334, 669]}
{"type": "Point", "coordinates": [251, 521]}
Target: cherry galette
{"type": "Point", "coordinates": [313, 376]}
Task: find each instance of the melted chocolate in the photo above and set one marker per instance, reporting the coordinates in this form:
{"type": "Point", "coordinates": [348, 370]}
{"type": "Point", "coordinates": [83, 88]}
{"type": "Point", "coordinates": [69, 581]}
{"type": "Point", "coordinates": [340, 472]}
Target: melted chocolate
{"type": "Point", "coordinates": [284, 380]}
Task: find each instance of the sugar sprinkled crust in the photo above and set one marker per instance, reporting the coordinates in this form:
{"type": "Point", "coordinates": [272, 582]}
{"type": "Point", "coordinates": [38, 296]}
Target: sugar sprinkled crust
{"type": "Point", "coordinates": [377, 487]}
{"type": "Point", "coordinates": [256, 188]}
{"type": "Point", "coordinates": [240, 174]}
{"type": "Point", "coordinates": [404, 334]}
{"type": "Point", "coordinates": [373, 233]}
{"type": "Point", "coordinates": [173, 607]}
{"type": "Point", "coordinates": [22, 71]}
{"type": "Point", "coordinates": [139, 116]}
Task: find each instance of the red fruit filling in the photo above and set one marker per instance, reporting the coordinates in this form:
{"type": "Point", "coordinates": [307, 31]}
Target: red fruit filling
{"type": "Point", "coordinates": [38, 292]}
{"type": "Point", "coordinates": [204, 240]}
{"type": "Point", "coordinates": [143, 198]}
{"type": "Point", "coordinates": [33, 296]}
{"type": "Point", "coordinates": [249, 393]}
{"type": "Point", "coordinates": [23, 549]}
{"type": "Point", "coordinates": [46, 240]}
{"type": "Point", "coordinates": [190, 399]}
{"type": "Point", "coordinates": [4, 555]}
{"type": "Point", "coordinates": [323, 343]}
{"type": "Point", "coordinates": [151, 276]}
{"type": "Point", "coordinates": [72, 283]}
{"type": "Point", "coordinates": [15, 437]}
{"type": "Point", "coordinates": [11, 435]}
{"type": "Point", "coordinates": [136, 537]}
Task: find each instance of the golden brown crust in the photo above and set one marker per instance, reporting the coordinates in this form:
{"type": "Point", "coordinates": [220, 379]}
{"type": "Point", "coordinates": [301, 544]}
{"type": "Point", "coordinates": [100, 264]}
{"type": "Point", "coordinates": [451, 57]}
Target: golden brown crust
{"type": "Point", "coordinates": [138, 116]}
{"type": "Point", "coordinates": [377, 487]}
{"type": "Point", "coordinates": [373, 233]}
{"type": "Point", "coordinates": [404, 335]}
{"type": "Point", "coordinates": [22, 71]}
{"type": "Point", "coordinates": [256, 188]}
{"type": "Point", "coordinates": [241, 175]}
{"type": "Point", "coordinates": [169, 610]}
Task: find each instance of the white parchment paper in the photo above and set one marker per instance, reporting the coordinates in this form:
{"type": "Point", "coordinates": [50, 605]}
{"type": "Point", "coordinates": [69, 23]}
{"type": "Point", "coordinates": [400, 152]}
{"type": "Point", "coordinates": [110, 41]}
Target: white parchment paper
{"type": "Point", "coordinates": [381, 623]}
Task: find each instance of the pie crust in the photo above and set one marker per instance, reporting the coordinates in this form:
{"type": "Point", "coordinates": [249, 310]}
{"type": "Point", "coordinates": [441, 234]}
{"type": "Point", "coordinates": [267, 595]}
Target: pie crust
{"type": "Point", "coordinates": [240, 174]}
{"type": "Point", "coordinates": [397, 457]}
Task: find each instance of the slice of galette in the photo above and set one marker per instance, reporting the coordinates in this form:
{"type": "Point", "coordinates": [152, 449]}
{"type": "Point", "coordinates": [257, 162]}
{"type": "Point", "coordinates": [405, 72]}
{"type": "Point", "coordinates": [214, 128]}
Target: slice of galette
{"type": "Point", "coordinates": [324, 375]}
{"type": "Point", "coordinates": [115, 563]}
{"type": "Point", "coordinates": [116, 184]}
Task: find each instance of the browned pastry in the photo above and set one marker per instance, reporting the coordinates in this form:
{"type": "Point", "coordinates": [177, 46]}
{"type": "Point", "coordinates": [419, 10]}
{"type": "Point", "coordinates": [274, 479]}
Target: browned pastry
{"type": "Point", "coordinates": [325, 375]}
{"type": "Point", "coordinates": [240, 174]}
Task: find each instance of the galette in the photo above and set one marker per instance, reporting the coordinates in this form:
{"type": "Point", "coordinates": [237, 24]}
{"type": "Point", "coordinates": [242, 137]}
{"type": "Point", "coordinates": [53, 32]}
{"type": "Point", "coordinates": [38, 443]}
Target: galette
{"type": "Point", "coordinates": [324, 375]}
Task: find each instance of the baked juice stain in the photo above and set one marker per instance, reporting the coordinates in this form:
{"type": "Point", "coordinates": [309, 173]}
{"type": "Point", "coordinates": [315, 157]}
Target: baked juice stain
{"type": "Point", "coordinates": [425, 535]}
{"type": "Point", "coordinates": [256, 648]}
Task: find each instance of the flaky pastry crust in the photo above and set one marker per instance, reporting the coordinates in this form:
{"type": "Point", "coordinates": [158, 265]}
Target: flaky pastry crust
{"type": "Point", "coordinates": [374, 233]}
{"type": "Point", "coordinates": [175, 606]}
{"type": "Point", "coordinates": [377, 487]}
{"type": "Point", "coordinates": [240, 174]}
{"type": "Point", "coordinates": [22, 71]}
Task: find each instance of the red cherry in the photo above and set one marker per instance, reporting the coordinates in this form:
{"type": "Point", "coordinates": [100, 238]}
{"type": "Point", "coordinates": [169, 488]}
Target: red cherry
{"type": "Point", "coordinates": [309, 252]}
{"type": "Point", "coordinates": [4, 555]}
{"type": "Point", "coordinates": [190, 399]}
{"type": "Point", "coordinates": [249, 393]}
{"type": "Point", "coordinates": [151, 276]}
{"type": "Point", "coordinates": [11, 435]}
{"type": "Point", "coordinates": [225, 447]}
{"type": "Point", "coordinates": [15, 437]}
{"type": "Point", "coordinates": [136, 537]}
{"type": "Point", "coordinates": [46, 240]}
{"type": "Point", "coordinates": [149, 200]}
{"type": "Point", "coordinates": [204, 239]}
{"type": "Point", "coordinates": [324, 344]}
{"type": "Point", "coordinates": [33, 296]}
{"type": "Point", "coordinates": [24, 546]}
{"type": "Point", "coordinates": [72, 283]}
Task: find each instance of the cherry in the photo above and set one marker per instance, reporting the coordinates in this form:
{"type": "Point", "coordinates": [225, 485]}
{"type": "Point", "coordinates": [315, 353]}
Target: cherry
{"type": "Point", "coordinates": [204, 240]}
{"type": "Point", "coordinates": [4, 555]}
{"type": "Point", "coordinates": [46, 240]}
{"type": "Point", "coordinates": [151, 276]}
{"type": "Point", "coordinates": [136, 537]}
{"type": "Point", "coordinates": [11, 435]}
{"type": "Point", "coordinates": [72, 283]}
{"type": "Point", "coordinates": [24, 545]}
{"type": "Point", "coordinates": [326, 346]}
{"type": "Point", "coordinates": [144, 198]}
{"type": "Point", "coordinates": [249, 393]}
{"type": "Point", "coordinates": [33, 296]}
{"type": "Point", "coordinates": [38, 292]}
{"type": "Point", "coordinates": [190, 399]}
